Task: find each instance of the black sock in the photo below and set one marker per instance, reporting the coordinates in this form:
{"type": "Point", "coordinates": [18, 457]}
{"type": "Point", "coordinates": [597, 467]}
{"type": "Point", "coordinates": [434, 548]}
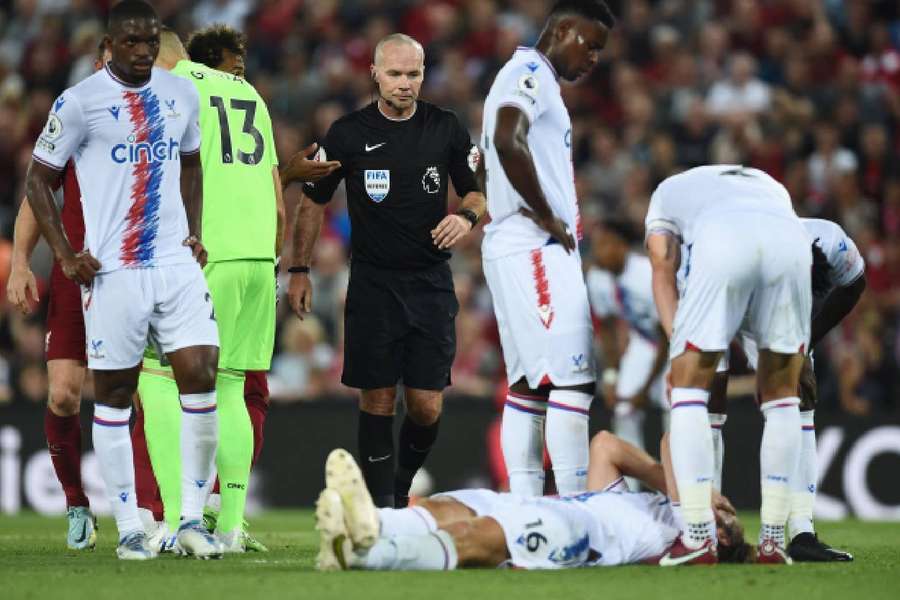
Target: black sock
{"type": "Point", "coordinates": [376, 456]}
{"type": "Point", "coordinates": [415, 444]}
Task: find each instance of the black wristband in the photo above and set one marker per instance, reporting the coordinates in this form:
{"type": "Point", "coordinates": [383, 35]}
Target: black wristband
{"type": "Point", "coordinates": [300, 269]}
{"type": "Point", "coordinates": [469, 215]}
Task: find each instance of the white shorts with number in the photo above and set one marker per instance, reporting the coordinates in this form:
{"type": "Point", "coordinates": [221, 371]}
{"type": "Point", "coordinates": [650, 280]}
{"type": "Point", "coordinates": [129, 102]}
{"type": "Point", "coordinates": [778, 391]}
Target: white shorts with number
{"type": "Point", "coordinates": [123, 308]}
{"type": "Point", "coordinates": [540, 533]}
{"type": "Point", "coordinates": [750, 269]}
{"type": "Point", "coordinates": [543, 314]}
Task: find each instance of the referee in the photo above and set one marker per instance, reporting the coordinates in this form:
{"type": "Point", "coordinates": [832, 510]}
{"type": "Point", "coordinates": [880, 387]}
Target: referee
{"type": "Point", "coordinates": [397, 156]}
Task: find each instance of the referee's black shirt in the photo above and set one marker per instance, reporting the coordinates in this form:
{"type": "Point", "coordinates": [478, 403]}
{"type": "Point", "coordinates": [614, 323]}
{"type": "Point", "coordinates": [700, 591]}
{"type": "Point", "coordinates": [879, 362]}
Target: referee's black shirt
{"type": "Point", "coordinates": [396, 174]}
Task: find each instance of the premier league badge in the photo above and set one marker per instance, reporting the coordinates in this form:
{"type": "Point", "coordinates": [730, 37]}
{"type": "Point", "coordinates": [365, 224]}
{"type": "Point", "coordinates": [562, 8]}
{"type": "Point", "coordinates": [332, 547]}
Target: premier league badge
{"type": "Point", "coordinates": [378, 183]}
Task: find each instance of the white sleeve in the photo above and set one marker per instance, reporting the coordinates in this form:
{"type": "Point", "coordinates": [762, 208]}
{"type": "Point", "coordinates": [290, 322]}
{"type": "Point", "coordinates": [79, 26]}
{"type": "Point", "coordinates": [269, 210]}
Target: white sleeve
{"type": "Point", "coordinates": [601, 293]}
{"type": "Point", "coordinates": [843, 256]}
{"type": "Point", "coordinates": [190, 140]}
{"type": "Point", "coordinates": [63, 134]}
{"type": "Point", "coordinates": [658, 220]}
{"type": "Point", "coordinates": [524, 87]}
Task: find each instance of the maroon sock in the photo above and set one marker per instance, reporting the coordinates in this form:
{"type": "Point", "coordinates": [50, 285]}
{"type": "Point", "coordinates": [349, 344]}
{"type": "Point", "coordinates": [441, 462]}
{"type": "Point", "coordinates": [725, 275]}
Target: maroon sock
{"type": "Point", "coordinates": [64, 441]}
{"type": "Point", "coordinates": [144, 479]}
{"type": "Point", "coordinates": [256, 397]}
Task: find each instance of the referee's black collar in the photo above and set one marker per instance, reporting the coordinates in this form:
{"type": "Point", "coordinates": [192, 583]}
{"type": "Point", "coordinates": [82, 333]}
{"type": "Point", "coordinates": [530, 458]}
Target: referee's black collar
{"type": "Point", "coordinates": [391, 120]}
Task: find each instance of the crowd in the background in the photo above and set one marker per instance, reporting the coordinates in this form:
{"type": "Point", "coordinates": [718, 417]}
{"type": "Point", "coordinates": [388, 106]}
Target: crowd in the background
{"type": "Point", "coordinates": [808, 90]}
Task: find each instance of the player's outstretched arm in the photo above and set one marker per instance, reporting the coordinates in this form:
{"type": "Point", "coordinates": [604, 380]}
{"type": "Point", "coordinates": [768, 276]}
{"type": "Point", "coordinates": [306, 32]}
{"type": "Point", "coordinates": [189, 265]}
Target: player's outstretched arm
{"type": "Point", "coordinates": [511, 142]}
{"type": "Point", "coordinates": [22, 283]}
{"type": "Point", "coordinates": [611, 457]}
{"type": "Point", "coordinates": [308, 224]}
{"type": "Point", "coordinates": [665, 257]}
{"type": "Point", "coordinates": [40, 182]}
{"type": "Point", "coordinates": [837, 305]}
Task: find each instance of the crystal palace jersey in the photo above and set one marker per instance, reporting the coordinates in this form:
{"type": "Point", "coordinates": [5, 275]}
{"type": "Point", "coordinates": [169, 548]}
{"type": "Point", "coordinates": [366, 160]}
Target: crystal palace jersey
{"type": "Point", "coordinates": [528, 82]}
{"type": "Point", "coordinates": [125, 142]}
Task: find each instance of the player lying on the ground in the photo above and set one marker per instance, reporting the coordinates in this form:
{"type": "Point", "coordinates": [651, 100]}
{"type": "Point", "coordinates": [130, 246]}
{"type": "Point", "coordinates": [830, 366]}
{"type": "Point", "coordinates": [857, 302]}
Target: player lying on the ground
{"type": "Point", "coordinates": [838, 281]}
{"type": "Point", "coordinates": [482, 528]}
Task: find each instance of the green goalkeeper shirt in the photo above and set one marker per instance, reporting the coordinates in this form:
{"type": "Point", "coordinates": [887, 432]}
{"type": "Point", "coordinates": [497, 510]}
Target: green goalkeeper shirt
{"type": "Point", "coordinates": [237, 150]}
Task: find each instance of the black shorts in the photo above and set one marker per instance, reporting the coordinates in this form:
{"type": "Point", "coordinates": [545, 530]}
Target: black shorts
{"type": "Point", "coordinates": [399, 325]}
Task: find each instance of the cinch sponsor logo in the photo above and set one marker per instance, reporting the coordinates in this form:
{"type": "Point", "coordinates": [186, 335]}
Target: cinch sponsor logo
{"type": "Point", "coordinates": [144, 152]}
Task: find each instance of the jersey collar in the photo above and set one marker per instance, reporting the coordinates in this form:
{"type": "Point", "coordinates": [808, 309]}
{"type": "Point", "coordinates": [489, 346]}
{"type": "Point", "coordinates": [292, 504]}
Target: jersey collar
{"type": "Point", "coordinates": [394, 119]}
{"type": "Point", "coordinates": [124, 83]}
{"type": "Point", "coordinates": [542, 57]}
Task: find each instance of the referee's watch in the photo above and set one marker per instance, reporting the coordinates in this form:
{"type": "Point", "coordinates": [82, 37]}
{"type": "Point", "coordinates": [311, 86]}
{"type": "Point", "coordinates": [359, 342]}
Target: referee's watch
{"type": "Point", "coordinates": [299, 269]}
{"type": "Point", "coordinates": [469, 215]}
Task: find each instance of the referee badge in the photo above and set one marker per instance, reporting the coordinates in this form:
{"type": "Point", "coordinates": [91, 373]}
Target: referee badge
{"type": "Point", "coordinates": [378, 183]}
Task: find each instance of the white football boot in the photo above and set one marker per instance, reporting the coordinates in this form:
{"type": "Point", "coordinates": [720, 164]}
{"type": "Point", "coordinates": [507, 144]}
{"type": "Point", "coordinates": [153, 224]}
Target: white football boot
{"type": "Point", "coordinates": [335, 547]}
{"type": "Point", "coordinates": [195, 540]}
{"type": "Point", "coordinates": [135, 546]}
{"type": "Point", "coordinates": [343, 475]}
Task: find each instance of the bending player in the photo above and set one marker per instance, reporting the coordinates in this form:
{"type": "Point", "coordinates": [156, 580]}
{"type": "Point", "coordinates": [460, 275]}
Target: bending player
{"type": "Point", "coordinates": [65, 346]}
{"type": "Point", "coordinates": [138, 126]}
{"type": "Point", "coordinates": [747, 260]}
{"type": "Point", "coordinates": [838, 281]}
{"type": "Point", "coordinates": [531, 261]}
{"type": "Point", "coordinates": [482, 528]}
{"type": "Point", "coordinates": [620, 288]}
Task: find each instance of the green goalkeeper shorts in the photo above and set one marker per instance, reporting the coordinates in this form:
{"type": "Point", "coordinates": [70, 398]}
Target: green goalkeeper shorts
{"type": "Point", "coordinates": [243, 295]}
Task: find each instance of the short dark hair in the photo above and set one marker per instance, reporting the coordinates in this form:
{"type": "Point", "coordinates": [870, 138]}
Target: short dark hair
{"type": "Point", "coordinates": [623, 228]}
{"type": "Point", "coordinates": [596, 10]}
{"type": "Point", "coordinates": [206, 45]}
{"type": "Point", "coordinates": [130, 9]}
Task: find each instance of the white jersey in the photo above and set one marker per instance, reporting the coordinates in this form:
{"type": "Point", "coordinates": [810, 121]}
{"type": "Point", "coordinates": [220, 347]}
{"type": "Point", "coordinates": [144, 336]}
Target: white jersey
{"type": "Point", "coordinates": [682, 203]}
{"type": "Point", "coordinates": [628, 296]}
{"type": "Point", "coordinates": [126, 143]}
{"type": "Point", "coordinates": [528, 82]}
{"type": "Point", "coordinates": [845, 264]}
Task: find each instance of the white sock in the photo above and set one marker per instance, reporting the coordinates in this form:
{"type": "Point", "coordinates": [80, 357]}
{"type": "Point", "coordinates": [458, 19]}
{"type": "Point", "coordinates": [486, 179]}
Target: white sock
{"type": "Point", "coordinates": [692, 462]}
{"type": "Point", "coordinates": [567, 439]}
{"type": "Point", "coordinates": [112, 445]}
{"type": "Point", "coordinates": [779, 455]}
{"type": "Point", "coordinates": [414, 520]}
{"type": "Point", "coordinates": [716, 422]}
{"type": "Point", "coordinates": [199, 437]}
{"type": "Point", "coordinates": [628, 424]}
{"type": "Point", "coordinates": [803, 486]}
{"type": "Point", "coordinates": [678, 516]}
{"type": "Point", "coordinates": [214, 501]}
{"type": "Point", "coordinates": [430, 552]}
{"type": "Point", "coordinates": [522, 441]}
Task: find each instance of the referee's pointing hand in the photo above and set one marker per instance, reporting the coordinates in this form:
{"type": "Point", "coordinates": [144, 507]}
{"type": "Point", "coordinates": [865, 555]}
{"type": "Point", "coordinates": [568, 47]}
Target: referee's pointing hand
{"type": "Point", "coordinates": [450, 230]}
{"type": "Point", "coordinates": [300, 293]}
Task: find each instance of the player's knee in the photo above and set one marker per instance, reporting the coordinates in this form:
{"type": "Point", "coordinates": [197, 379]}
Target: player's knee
{"type": "Point", "coordinates": [377, 404]}
{"type": "Point", "coordinates": [424, 412]}
{"type": "Point", "coordinates": [64, 398]}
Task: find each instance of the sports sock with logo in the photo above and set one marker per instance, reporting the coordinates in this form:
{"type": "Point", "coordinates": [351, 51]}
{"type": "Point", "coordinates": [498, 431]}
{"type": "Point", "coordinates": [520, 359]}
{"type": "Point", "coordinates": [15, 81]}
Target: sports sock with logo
{"type": "Point", "coordinates": [64, 441]}
{"type": "Point", "coordinates": [376, 456]}
{"type": "Point", "coordinates": [112, 444]}
{"type": "Point", "coordinates": [716, 422]}
{"type": "Point", "coordinates": [162, 426]}
{"type": "Point", "coordinates": [567, 439]}
{"type": "Point", "coordinates": [779, 455]}
{"type": "Point", "coordinates": [414, 520]}
{"type": "Point", "coordinates": [692, 461]}
{"type": "Point", "coordinates": [522, 441]}
{"type": "Point", "coordinates": [431, 552]}
{"type": "Point", "coordinates": [413, 446]}
{"type": "Point", "coordinates": [235, 452]}
{"type": "Point", "coordinates": [803, 486]}
{"type": "Point", "coordinates": [199, 438]}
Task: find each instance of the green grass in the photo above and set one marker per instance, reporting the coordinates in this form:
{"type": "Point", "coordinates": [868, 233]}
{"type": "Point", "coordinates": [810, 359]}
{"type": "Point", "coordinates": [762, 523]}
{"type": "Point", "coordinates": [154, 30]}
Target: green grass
{"type": "Point", "coordinates": [35, 564]}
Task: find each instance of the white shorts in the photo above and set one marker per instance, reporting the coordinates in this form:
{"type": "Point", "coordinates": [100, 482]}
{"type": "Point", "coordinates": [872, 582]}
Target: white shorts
{"type": "Point", "coordinates": [635, 367]}
{"type": "Point", "coordinates": [541, 533]}
{"type": "Point", "coordinates": [544, 318]}
{"type": "Point", "coordinates": [751, 269]}
{"type": "Point", "coordinates": [123, 308]}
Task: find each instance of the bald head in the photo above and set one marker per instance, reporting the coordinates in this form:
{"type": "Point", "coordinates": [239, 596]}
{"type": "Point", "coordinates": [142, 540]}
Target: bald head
{"type": "Point", "coordinates": [397, 42]}
{"type": "Point", "coordinates": [171, 50]}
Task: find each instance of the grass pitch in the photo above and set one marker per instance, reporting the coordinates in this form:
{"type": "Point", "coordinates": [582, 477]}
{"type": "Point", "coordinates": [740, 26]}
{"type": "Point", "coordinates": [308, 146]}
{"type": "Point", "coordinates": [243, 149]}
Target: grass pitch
{"type": "Point", "coordinates": [35, 564]}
